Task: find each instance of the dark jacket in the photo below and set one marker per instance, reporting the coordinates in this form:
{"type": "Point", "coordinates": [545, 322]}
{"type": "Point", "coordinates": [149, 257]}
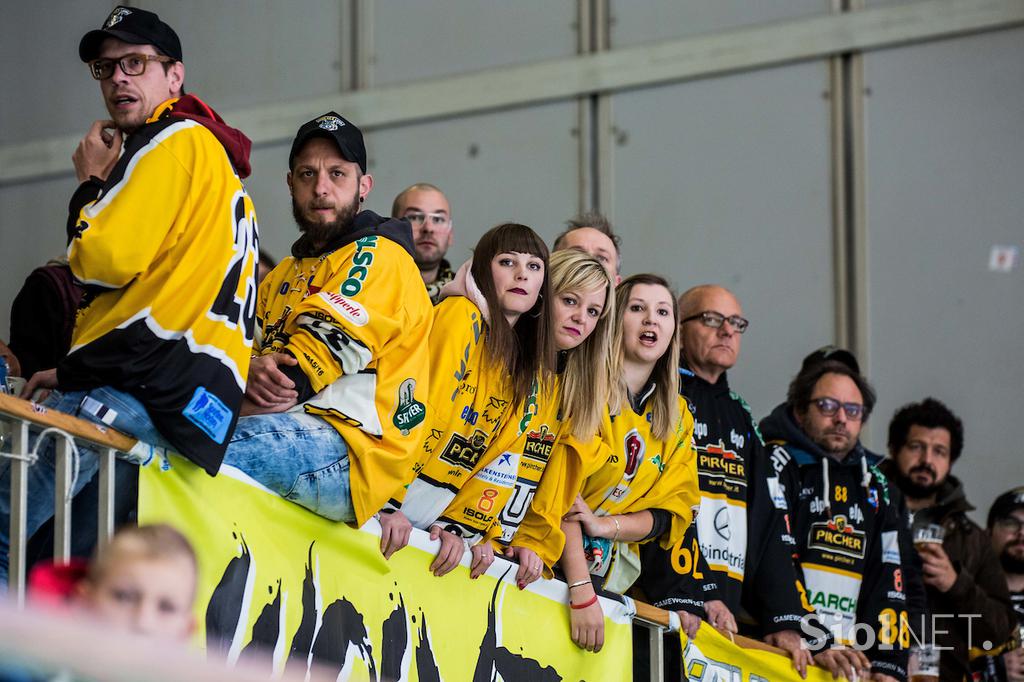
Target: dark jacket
{"type": "Point", "coordinates": [980, 586]}
{"type": "Point", "coordinates": [846, 528]}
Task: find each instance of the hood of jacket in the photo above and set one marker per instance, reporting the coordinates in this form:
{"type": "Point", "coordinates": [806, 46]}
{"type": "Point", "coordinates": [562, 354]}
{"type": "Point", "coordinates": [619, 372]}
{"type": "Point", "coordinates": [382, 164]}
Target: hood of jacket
{"type": "Point", "coordinates": [234, 141]}
{"type": "Point", "coordinates": [464, 285]}
{"type": "Point", "coordinates": [365, 224]}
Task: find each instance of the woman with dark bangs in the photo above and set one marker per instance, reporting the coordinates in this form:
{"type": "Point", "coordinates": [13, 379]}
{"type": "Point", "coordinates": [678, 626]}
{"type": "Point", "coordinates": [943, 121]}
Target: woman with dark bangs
{"type": "Point", "coordinates": [642, 475]}
{"type": "Point", "coordinates": [491, 355]}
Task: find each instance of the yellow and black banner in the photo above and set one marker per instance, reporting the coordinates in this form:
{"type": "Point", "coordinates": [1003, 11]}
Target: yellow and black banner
{"type": "Point", "coordinates": [711, 657]}
{"type": "Point", "coordinates": [277, 580]}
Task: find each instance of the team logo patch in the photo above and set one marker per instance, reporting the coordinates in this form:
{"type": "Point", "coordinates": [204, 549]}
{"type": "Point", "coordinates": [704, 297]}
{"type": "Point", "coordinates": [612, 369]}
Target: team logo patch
{"type": "Point", "coordinates": [634, 449]}
{"type": "Point", "coordinates": [890, 548]}
{"type": "Point", "coordinates": [209, 413]}
{"type": "Point", "coordinates": [330, 123]}
{"type": "Point", "coordinates": [116, 16]}
{"type": "Point", "coordinates": [539, 444]}
{"type": "Point", "coordinates": [409, 413]}
{"type": "Point", "coordinates": [719, 462]}
{"type": "Point", "coordinates": [347, 308]}
{"type": "Point", "coordinates": [837, 536]}
{"type": "Point", "coordinates": [464, 452]}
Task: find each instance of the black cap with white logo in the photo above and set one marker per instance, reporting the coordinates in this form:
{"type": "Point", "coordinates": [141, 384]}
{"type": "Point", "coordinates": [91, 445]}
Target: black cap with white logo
{"type": "Point", "coordinates": [333, 126]}
{"type": "Point", "coordinates": [1008, 502]}
{"type": "Point", "coordinates": [135, 26]}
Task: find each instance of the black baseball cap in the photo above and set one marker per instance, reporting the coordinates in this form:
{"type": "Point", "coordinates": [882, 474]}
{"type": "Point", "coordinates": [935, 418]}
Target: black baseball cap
{"type": "Point", "coordinates": [135, 26]}
{"type": "Point", "coordinates": [333, 126]}
{"type": "Point", "coordinates": [830, 353]}
{"type": "Point", "coordinates": [1006, 503]}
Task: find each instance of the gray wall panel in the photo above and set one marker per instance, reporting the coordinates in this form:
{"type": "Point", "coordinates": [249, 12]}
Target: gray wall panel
{"type": "Point", "coordinates": [945, 162]}
{"type": "Point", "coordinates": [420, 40]}
{"type": "Point", "coordinates": [638, 22]}
{"type": "Point", "coordinates": [517, 165]}
{"type": "Point", "coordinates": [726, 181]}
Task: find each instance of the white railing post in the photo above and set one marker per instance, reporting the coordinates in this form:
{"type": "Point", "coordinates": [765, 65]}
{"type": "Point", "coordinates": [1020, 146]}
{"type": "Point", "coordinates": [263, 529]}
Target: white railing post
{"type": "Point", "coordinates": [62, 503]}
{"type": "Point", "coordinates": [105, 520]}
{"type": "Point", "coordinates": [19, 513]}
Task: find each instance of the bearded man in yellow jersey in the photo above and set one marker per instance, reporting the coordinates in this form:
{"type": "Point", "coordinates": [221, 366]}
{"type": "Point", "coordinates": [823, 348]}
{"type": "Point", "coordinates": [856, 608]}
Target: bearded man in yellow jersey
{"type": "Point", "coordinates": [335, 401]}
{"type": "Point", "coordinates": [163, 238]}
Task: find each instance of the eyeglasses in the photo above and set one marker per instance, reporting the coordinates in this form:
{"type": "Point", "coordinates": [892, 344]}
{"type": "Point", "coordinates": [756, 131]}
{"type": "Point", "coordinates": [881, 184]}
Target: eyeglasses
{"type": "Point", "coordinates": [1010, 524]}
{"type": "Point", "coordinates": [709, 318]}
{"type": "Point", "coordinates": [830, 406]}
{"type": "Point", "coordinates": [437, 220]}
{"type": "Point", "coordinates": [132, 65]}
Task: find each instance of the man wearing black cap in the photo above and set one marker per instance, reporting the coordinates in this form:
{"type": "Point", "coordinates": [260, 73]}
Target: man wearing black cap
{"type": "Point", "coordinates": [163, 237]}
{"type": "Point", "coordinates": [966, 590]}
{"type": "Point", "coordinates": [844, 521]}
{"type": "Point", "coordinates": [333, 404]}
{"type": "Point", "coordinates": [1006, 528]}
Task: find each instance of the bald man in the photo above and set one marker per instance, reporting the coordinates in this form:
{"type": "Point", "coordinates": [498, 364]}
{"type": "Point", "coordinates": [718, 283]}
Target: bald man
{"type": "Point", "coordinates": [744, 561]}
{"type": "Point", "coordinates": [428, 211]}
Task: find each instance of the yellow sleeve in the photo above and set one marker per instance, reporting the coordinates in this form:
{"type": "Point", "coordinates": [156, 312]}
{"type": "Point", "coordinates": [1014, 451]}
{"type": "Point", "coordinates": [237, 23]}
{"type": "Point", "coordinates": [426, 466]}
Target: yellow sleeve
{"type": "Point", "coordinates": [676, 490]}
{"type": "Point", "coordinates": [117, 236]}
{"type": "Point", "coordinates": [337, 334]}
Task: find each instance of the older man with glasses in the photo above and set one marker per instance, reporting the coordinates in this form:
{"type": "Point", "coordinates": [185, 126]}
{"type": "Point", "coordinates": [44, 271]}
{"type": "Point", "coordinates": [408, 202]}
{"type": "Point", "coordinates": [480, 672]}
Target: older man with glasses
{"type": "Point", "coordinates": [163, 237]}
{"type": "Point", "coordinates": [744, 563]}
{"type": "Point", "coordinates": [428, 211]}
{"type": "Point", "coordinates": [845, 523]}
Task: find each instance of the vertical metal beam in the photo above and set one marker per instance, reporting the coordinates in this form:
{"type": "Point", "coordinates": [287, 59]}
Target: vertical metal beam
{"type": "Point", "coordinates": [105, 519]}
{"type": "Point", "coordinates": [19, 514]}
{"type": "Point", "coordinates": [362, 44]}
{"type": "Point", "coordinates": [656, 647]}
{"type": "Point", "coordinates": [584, 117]}
{"type": "Point", "coordinates": [837, 95]}
{"type": "Point", "coordinates": [604, 134]}
{"type": "Point", "coordinates": [62, 502]}
{"type": "Point", "coordinates": [857, 201]}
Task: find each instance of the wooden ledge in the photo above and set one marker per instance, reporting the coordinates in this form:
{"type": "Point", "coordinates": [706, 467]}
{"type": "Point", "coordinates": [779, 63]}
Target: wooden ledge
{"type": "Point", "coordinates": [79, 428]}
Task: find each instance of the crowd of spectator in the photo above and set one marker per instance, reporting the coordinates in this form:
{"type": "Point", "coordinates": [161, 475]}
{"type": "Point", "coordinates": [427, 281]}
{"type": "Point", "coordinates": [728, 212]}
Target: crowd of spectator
{"type": "Point", "coordinates": [528, 403]}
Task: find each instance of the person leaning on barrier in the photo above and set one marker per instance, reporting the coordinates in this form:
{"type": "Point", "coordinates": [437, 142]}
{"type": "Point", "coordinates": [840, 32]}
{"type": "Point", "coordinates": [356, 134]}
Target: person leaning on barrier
{"type": "Point", "coordinates": [960, 570]}
{"type": "Point", "coordinates": [333, 410]}
{"type": "Point", "coordinates": [430, 215]}
{"type": "Point", "coordinates": [163, 237]}
{"type": "Point", "coordinates": [592, 233]}
{"type": "Point", "coordinates": [739, 544]}
{"type": "Point", "coordinates": [844, 521]}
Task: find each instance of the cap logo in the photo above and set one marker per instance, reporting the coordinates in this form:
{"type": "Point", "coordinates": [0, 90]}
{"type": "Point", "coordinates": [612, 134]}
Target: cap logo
{"type": "Point", "coordinates": [116, 16]}
{"type": "Point", "coordinates": [330, 122]}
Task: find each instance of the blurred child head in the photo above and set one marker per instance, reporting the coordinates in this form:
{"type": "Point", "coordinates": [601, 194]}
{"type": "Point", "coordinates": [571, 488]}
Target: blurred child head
{"type": "Point", "coordinates": [144, 581]}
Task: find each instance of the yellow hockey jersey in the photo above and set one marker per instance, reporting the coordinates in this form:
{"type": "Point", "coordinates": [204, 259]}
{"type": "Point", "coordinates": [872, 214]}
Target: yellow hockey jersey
{"type": "Point", "coordinates": [357, 319]}
{"type": "Point", "coordinates": [166, 248]}
{"type": "Point", "coordinates": [641, 472]}
{"type": "Point", "coordinates": [469, 415]}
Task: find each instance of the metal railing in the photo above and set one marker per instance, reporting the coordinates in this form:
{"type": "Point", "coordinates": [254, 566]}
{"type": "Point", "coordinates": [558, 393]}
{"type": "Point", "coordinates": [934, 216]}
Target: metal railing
{"type": "Point", "coordinates": [16, 418]}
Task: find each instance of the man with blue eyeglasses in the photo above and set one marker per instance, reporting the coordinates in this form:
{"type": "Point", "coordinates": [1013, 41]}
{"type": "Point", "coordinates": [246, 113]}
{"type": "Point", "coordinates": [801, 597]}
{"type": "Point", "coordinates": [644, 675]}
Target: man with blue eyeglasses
{"type": "Point", "coordinates": [428, 211]}
{"type": "Point", "coordinates": [845, 523]}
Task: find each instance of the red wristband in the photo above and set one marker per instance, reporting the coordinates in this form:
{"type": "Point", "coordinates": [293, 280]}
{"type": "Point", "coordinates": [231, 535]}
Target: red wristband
{"type": "Point", "coordinates": [589, 602]}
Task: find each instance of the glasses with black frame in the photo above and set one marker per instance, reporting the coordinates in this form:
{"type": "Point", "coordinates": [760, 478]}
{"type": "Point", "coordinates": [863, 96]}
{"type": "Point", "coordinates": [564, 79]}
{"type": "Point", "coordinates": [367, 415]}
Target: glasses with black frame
{"type": "Point", "coordinates": [1010, 524]}
{"type": "Point", "coordinates": [715, 320]}
{"type": "Point", "coordinates": [830, 406]}
{"type": "Point", "coordinates": [133, 64]}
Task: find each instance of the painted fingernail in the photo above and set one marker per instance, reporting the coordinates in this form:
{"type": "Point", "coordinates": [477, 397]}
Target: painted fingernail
{"type": "Point", "coordinates": [521, 585]}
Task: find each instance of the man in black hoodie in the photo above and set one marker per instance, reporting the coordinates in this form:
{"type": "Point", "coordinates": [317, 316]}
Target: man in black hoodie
{"type": "Point", "coordinates": [967, 592]}
{"type": "Point", "coordinates": [845, 524]}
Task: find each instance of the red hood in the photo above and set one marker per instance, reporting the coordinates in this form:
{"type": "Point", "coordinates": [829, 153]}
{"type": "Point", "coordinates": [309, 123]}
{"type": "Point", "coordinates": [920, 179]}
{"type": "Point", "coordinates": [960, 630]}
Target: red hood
{"type": "Point", "coordinates": [235, 142]}
{"type": "Point", "coordinates": [53, 584]}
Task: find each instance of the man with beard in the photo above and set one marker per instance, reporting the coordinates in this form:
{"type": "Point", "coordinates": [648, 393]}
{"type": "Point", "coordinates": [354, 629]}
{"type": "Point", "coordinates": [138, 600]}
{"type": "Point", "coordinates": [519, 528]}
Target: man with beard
{"type": "Point", "coordinates": [163, 238]}
{"type": "Point", "coordinates": [428, 211]}
{"type": "Point", "coordinates": [967, 593]}
{"type": "Point", "coordinates": [333, 415]}
{"type": "Point", "coordinates": [844, 522]}
{"type": "Point", "coordinates": [1006, 528]}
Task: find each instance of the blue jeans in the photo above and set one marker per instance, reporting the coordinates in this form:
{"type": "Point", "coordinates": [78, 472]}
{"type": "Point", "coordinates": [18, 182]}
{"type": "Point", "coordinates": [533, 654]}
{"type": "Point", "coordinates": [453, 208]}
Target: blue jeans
{"type": "Point", "coordinates": [300, 457]}
{"type": "Point", "coordinates": [131, 418]}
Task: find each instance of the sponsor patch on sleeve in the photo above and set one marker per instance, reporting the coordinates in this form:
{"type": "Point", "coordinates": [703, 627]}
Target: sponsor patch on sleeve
{"type": "Point", "coordinates": [209, 413]}
{"type": "Point", "coordinates": [890, 547]}
{"type": "Point", "coordinates": [351, 310]}
{"type": "Point", "coordinates": [777, 491]}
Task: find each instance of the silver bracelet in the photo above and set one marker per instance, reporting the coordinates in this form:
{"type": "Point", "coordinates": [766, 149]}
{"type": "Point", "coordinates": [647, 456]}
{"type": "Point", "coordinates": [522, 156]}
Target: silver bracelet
{"type": "Point", "coordinates": [579, 583]}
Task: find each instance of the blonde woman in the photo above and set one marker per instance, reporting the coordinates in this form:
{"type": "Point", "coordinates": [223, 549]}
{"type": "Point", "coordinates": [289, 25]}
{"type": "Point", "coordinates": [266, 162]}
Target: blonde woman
{"type": "Point", "coordinates": [642, 480]}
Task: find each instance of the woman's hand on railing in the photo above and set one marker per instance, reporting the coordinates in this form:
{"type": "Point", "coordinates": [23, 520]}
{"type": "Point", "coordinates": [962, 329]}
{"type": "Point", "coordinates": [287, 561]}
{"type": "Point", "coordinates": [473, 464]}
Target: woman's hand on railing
{"type": "Point", "coordinates": [43, 381]}
{"type": "Point", "coordinates": [450, 553]}
{"type": "Point", "coordinates": [483, 557]}
{"type": "Point", "coordinates": [530, 565]}
{"type": "Point", "coordinates": [792, 643]}
{"type": "Point", "coordinates": [587, 623]}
